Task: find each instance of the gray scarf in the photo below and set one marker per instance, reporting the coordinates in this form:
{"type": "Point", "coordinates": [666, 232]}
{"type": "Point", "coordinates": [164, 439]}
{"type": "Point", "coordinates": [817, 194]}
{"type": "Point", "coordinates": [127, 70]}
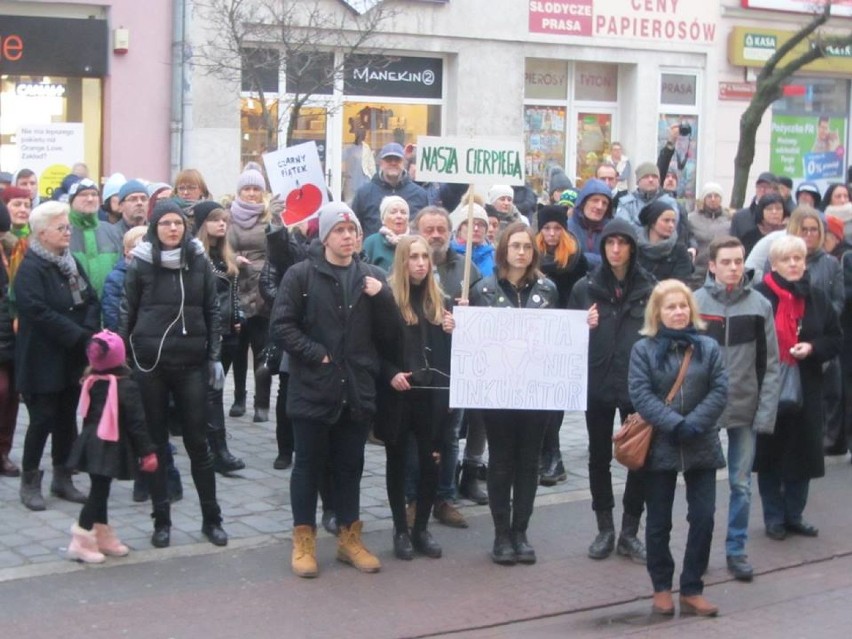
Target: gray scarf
{"type": "Point", "coordinates": [67, 266]}
{"type": "Point", "coordinates": [658, 250]}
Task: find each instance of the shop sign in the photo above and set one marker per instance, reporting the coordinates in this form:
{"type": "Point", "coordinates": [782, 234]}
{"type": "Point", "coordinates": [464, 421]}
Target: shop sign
{"type": "Point", "coordinates": [674, 21]}
{"type": "Point", "coordinates": [677, 88]}
{"type": "Point", "coordinates": [808, 147]}
{"type": "Point", "coordinates": [736, 90]}
{"type": "Point", "coordinates": [596, 82]}
{"type": "Point", "coordinates": [40, 90]}
{"type": "Point", "coordinates": [838, 7]}
{"type": "Point", "coordinates": [53, 46]}
{"type": "Point", "coordinates": [470, 160]}
{"type": "Point", "coordinates": [546, 80]}
{"type": "Point", "coordinates": [393, 77]}
{"type": "Point", "coordinates": [751, 47]}
{"type": "Point", "coordinates": [50, 150]}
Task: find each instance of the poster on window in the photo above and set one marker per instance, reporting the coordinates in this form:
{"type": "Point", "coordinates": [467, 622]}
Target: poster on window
{"type": "Point", "coordinates": [544, 142]}
{"type": "Point", "coordinates": [50, 150]}
{"type": "Point", "coordinates": [594, 137]}
{"type": "Point", "coordinates": [808, 148]}
{"type": "Point", "coordinates": [680, 178]}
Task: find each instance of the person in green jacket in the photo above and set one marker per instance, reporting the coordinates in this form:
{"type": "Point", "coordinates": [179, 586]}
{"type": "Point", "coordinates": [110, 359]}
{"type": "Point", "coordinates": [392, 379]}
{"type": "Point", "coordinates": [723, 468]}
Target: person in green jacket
{"type": "Point", "coordinates": [96, 245]}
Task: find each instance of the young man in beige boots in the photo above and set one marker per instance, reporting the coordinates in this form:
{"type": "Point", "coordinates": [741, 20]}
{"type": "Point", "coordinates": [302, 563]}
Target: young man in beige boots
{"type": "Point", "coordinates": [327, 314]}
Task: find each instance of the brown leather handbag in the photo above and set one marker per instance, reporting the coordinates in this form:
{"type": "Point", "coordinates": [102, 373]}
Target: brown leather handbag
{"type": "Point", "coordinates": [633, 440]}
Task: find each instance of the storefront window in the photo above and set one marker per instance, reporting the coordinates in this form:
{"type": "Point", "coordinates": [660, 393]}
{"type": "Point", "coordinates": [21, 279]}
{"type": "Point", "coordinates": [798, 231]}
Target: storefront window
{"type": "Point", "coordinates": [311, 126]}
{"type": "Point", "coordinates": [679, 108]}
{"type": "Point", "coordinates": [544, 141]}
{"type": "Point", "coordinates": [258, 130]}
{"type": "Point", "coordinates": [594, 138]}
{"type": "Point", "coordinates": [28, 104]}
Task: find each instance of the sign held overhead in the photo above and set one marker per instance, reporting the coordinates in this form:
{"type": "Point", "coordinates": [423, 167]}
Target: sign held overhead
{"type": "Point", "coordinates": [466, 160]}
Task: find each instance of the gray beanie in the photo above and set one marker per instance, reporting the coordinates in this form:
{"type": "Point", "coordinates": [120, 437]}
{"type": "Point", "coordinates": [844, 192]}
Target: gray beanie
{"type": "Point", "coordinates": [333, 214]}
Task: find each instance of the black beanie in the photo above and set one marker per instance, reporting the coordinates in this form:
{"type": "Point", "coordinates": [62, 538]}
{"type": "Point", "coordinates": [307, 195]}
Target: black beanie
{"type": "Point", "coordinates": [650, 213]}
{"type": "Point", "coordinates": [552, 213]}
{"type": "Point", "coordinates": [161, 208]}
{"type": "Point", "coordinates": [5, 218]}
{"type": "Point", "coordinates": [201, 210]}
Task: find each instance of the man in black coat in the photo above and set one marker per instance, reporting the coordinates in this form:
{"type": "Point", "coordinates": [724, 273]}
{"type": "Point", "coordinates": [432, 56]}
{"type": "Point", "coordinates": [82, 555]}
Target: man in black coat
{"type": "Point", "coordinates": [332, 315]}
{"type": "Point", "coordinates": [745, 219]}
{"type": "Point", "coordinates": [615, 294]}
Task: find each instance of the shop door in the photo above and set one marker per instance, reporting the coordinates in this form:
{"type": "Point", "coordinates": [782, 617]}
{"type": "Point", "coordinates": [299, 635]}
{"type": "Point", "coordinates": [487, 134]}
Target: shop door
{"type": "Point", "coordinates": [593, 134]}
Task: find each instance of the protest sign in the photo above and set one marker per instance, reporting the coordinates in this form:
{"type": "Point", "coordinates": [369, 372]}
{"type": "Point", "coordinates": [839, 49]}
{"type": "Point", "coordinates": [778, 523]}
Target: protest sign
{"type": "Point", "coordinates": [50, 150]}
{"type": "Point", "coordinates": [525, 359]}
{"type": "Point", "coordinates": [295, 173]}
{"type": "Point", "coordinates": [469, 160]}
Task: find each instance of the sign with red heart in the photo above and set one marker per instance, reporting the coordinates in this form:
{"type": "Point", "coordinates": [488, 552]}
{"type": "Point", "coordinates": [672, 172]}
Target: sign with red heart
{"type": "Point", "coordinates": [295, 173]}
{"type": "Point", "coordinates": [302, 204]}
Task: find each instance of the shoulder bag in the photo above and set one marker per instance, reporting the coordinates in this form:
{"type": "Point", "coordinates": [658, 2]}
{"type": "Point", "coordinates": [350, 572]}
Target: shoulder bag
{"type": "Point", "coordinates": [633, 439]}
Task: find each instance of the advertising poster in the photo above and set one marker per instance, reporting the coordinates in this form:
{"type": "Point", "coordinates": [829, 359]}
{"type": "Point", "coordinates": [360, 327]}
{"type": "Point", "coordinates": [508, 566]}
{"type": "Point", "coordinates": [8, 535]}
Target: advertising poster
{"type": "Point", "coordinates": [50, 150]}
{"type": "Point", "coordinates": [685, 158]}
{"type": "Point", "coordinates": [808, 148]}
{"type": "Point", "coordinates": [544, 142]}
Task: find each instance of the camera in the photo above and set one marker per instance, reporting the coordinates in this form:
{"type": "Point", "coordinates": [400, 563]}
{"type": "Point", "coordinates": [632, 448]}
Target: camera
{"type": "Point", "coordinates": [685, 129]}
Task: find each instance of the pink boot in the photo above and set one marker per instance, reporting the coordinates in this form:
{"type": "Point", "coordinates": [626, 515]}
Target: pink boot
{"type": "Point", "coordinates": [84, 546]}
{"type": "Point", "coordinates": [108, 543]}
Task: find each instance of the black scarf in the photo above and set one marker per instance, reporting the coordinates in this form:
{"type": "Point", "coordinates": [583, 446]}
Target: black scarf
{"type": "Point", "coordinates": [684, 337]}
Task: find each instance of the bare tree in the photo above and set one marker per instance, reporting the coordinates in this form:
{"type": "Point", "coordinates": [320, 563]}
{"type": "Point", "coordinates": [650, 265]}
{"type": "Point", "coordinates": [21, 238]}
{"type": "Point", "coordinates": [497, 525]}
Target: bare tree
{"type": "Point", "coordinates": [253, 40]}
{"type": "Point", "coordinates": [770, 82]}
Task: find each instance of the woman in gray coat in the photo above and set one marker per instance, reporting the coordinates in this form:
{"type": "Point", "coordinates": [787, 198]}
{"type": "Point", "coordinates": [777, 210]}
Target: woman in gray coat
{"type": "Point", "coordinates": [685, 439]}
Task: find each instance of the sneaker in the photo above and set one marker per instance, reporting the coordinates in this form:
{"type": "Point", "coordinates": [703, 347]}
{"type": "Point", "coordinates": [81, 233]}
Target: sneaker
{"type": "Point", "coordinates": [739, 567]}
{"type": "Point", "coordinates": [449, 515]}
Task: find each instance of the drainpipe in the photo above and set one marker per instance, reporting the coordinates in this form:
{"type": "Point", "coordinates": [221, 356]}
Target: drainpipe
{"type": "Point", "coordinates": [178, 78]}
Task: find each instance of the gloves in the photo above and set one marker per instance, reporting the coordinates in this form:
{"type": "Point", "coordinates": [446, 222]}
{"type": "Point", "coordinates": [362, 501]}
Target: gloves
{"type": "Point", "coordinates": [688, 429]}
{"type": "Point", "coordinates": [217, 375]}
{"type": "Point", "coordinates": [149, 463]}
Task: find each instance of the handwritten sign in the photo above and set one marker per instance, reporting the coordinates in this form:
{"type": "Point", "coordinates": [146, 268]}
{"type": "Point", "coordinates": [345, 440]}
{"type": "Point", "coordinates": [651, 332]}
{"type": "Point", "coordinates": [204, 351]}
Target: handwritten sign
{"type": "Point", "coordinates": [525, 359]}
{"type": "Point", "coordinates": [296, 174]}
{"type": "Point", "coordinates": [466, 160]}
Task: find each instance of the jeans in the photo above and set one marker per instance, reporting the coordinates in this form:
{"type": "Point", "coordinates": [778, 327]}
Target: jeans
{"type": "Point", "coordinates": [599, 425]}
{"type": "Point", "coordinates": [740, 461]}
{"type": "Point", "coordinates": [514, 443]}
{"type": "Point", "coordinates": [51, 415]}
{"type": "Point", "coordinates": [783, 501]}
{"type": "Point", "coordinates": [317, 444]}
{"type": "Point", "coordinates": [449, 449]}
{"type": "Point", "coordinates": [416, 420]}
{"type": "Point", "coordinates": [253, 335]}
{"type": "Point", "coordinates": [188, 387]}
{"type": "Point", "coordinates": [701, 505]}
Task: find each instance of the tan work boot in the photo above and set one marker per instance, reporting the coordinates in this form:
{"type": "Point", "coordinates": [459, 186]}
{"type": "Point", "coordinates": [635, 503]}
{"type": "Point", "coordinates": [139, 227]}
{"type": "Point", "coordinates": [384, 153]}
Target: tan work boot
{"type": "Point", "coordinates": [697, 605]}
{"type": "Point", "coordinates": [304, 558]}
{"type": "Point", "coordinates": [449, 515]}
{"type": "Point", "coordinates": [350, 550]}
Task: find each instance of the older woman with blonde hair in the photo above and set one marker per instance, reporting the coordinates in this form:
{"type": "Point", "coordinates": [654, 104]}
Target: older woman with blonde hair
{"type": "Point", "coordinates": [380, 247]}
{"type": "Point", "coordinates": [685, 439]}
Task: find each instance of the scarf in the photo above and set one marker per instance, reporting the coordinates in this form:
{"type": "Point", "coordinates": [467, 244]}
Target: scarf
{"type": "Point", "coordinates": [170, 258]}
{"type": "Point", "coordinates": [655, 251]}
{"type": "Point", "coordinates": [67, 266]}
{"type": "Point", "coordinates": [83, 220]}
{"type": "Point", "coordinates": [593, 229]}
{"type": "Point", "coordinates": [390, 237]}
{"type": "Point", "coordinates": [108, 425]}
{"type": "Point", "coordinates": [245, 214]}
{"type": "Point", "coordinates": [21, 231]}
{"type": "Point", "coordinates": [683, 337]}
{"type": "Point", "coordinates": [788, 316]}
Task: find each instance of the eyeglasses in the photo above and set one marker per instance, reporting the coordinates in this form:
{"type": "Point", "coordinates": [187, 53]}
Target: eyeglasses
{"type": "Point", "coordinates": [63, 228]}
{"type": "Point", "coordinates": [809, 230]}
{"type": "Point", "coordinates": [170, 223]}
{"type": "Point", "coordinates": [187, 188]}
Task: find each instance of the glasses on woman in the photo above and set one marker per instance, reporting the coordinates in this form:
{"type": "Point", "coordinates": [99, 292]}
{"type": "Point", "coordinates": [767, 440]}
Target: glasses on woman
{"type": "Point", "coordinates": [63, 228]}
{"type": "Point", "coordinates": [187, 188]}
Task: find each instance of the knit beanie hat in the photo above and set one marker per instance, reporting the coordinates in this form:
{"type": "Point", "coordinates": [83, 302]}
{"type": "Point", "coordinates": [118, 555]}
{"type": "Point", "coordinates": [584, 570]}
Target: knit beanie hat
{"type": "Point", "coordinates": [711, 188]}
{"type": "Point", "coordinates": [387, 202]}
{"type": "Point", "coordinates": [554, 213]}
{"type": "Point", "coordinates": [61, 193]}
{"type": "Point", "coordinates": [113, 185]}
{"type": "Point", "coordinates": [201, 210]}
{"type": "Point", "coordinates": [251, 177]}
{"type": "Point", "coordinates": [106, 351]}
{"type": "Point", "coordinates": [5, 218]}
{"type": "Point", "coordinates": [558, 180]}
{"type": "Point", "coordinates": [650, 213]}
{"type": "Point", "coordinates": [498, 191]}
{"type": "Point", "coordinates": [645, 169]}
{"type": "Point", "coordinates": [568, 198]}
{"type": "Point", "coordinates": [156, 187]}
{"type": "Point", "coordinates": [834, 225]}
{"type": "Point", "coordinates": [164, 206]}
{"type": "Point", "coordinates": [459, 216]}
{"type": "Point", "coordinates": [332, 214]}
{"type": "Point", "coordinates": [79, 187]}
{"type": "Point", "coordinates": [14, 193]}
{"type": "Point", "coordinates": [129, 188]}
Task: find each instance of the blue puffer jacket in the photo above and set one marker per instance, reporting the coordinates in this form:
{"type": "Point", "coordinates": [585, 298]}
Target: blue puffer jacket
{"type": "Point", "coordinates": [700, 401]}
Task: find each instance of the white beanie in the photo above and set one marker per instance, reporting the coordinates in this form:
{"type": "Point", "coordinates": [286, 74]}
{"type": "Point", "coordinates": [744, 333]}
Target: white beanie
{"type": "Point", "coordinates": [388, 201]}
{"type": "Point", "coordinates": [333, 214]}
{"type": "Point", "coordinates": [459, 216]}
{"type": "Point", "coordinates": [711, 188]}
{"type": "Point", "coordinates": [498, 191]}
{"type": "Point", "coordinates": [113, 185]}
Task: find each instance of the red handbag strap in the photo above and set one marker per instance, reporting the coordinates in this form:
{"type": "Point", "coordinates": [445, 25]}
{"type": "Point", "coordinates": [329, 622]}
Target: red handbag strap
{"type": "Point", "coordinates": [681, 375]}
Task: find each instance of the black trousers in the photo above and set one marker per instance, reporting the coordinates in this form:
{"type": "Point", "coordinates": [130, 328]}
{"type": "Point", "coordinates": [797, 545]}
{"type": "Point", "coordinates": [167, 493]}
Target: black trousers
{"type": "Point", "coordinates": [51, 415]}
{"type": "Point", "coordinates": [253, 334]}
{"type": "Point", "coordinates": [599, 424]}
{"type": "Point", "coordinates": [514, 444]}
{"type": "Point", "coordinates": [283, 423]}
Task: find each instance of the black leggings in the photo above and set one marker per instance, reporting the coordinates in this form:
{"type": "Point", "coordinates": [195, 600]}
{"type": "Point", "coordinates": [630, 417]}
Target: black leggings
{"type": "Point", "coordinates": [252, 335]}
{"type": "Point", "coordinates": [94, 511]}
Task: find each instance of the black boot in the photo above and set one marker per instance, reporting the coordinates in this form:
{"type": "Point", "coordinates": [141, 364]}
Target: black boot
{"type": "Point", "coordinates": [469, 486]}
{"type": "Point", "coordinates": [161, 538]}
{"type": "Point", "coordinates": [238, 408]}
{"type": "Point", "coordinates": [402, 548]}
{"type": "Point", "coordinates": [554, 472]}
{"type": "Point", "coordinates": [422, 541]}
{"type": "Point", "coordinates": [503, 552]}
{"type": "Point", "coordinates": [211, 526]}
{"type": "Point", "coordinates": [61, 486]}
{"type": "Point", "coordinates": [223, 461]}
{"type": "Point", "coordinates": [629, 544]}
{"type": "Point", "coordinates": [604, 542]}
{"type": "Point", "coordinates": [31, 496]}
{"type": "Point", "coordinates": [524, 552]}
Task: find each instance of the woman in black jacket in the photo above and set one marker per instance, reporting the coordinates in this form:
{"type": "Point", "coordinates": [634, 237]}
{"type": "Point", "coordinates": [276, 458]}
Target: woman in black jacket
{"type": "Point", "coordinates": [660, 253]}
{"type": "Point", "coordinates": [514, 436]}
{"type": "Point", "coordinates": [414, 395]}
{"type": "Point", "coordinates": [211, 227]}
{"type": "Point", "coordinates": [809, 335]}
{"type": "Point", "coordinates": [58, 311]}
{"type": "Point", "coordinates": [169, 319]}
{"type": "Point", "coordinates": [563, 262]}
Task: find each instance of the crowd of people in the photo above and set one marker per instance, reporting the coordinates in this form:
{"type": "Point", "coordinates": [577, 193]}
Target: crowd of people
{"type": "Point", "coordinates": [132, 302]}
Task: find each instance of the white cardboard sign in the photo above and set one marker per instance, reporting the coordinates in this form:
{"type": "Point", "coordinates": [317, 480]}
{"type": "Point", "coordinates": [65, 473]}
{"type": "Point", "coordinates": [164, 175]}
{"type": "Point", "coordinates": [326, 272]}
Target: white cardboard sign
{"type": "Point", "coordinates": [295, 173]}
{"type": "Point", "coordinates": [466, 160]}
{"type": "Point", "coordinates": [525, 359]}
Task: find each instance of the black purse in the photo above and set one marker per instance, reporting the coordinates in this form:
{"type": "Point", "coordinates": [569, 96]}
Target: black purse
{"type": "Point", "coordinates": [791, 397]}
